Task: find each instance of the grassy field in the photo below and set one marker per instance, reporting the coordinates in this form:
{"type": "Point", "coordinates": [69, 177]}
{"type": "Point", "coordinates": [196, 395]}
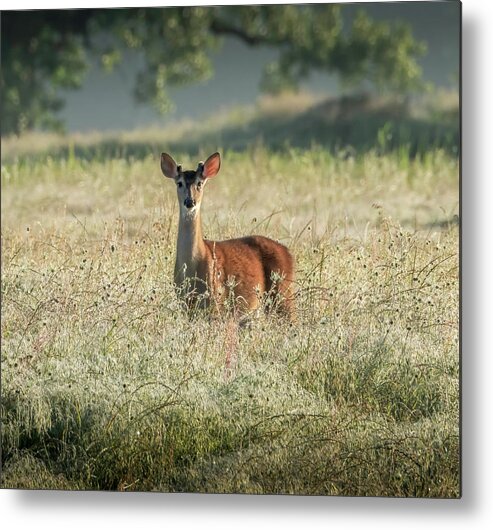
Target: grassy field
{"type": "Point", "coordinates": [108, 384]}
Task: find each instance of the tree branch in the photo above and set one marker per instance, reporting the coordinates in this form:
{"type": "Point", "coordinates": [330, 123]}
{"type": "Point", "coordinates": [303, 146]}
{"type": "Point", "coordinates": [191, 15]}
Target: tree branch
{"type": "Point", "coordinates": [219, 27]}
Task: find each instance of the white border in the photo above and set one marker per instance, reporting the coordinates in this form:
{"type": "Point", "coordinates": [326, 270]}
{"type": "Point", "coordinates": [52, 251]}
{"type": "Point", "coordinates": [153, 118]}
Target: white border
{"type": "Point", "coordinates": [57, 4]}
{"type": "Point", "coordinates": [39, 510]}
{"type": "Point", "coordinates": [68, 4]}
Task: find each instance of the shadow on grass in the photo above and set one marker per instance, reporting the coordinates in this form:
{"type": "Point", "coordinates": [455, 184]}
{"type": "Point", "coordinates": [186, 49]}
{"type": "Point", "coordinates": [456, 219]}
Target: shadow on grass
{"type": "Point", "coordinates": [346, 126]}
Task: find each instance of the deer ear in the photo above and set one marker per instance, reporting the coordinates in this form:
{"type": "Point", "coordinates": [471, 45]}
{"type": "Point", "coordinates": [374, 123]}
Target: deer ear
{"type": "Point", "coordinates": [211, 166]}
{"type": "Point", "coordinates": [168, 166]}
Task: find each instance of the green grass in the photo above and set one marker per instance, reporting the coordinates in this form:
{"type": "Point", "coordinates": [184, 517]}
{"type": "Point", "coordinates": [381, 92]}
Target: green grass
{"type": "Point", "coordinates": [108, 384]}
{"type": "Point", "coordinates": [352, 124]}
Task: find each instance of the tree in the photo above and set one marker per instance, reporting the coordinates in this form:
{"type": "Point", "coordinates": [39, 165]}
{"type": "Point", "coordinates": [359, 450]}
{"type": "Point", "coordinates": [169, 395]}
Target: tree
{"type": "Point", "coordinates": [43, 51]}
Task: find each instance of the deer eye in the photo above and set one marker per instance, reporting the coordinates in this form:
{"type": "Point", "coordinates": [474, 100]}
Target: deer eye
{"type": "Point", "coordinates": [199, 185]}
{"type": "Point", "coordinates": [180, 184]}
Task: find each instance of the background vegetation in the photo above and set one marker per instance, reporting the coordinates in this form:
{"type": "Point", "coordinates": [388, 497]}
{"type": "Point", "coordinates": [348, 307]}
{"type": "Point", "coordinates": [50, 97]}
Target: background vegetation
{"type": "Point", "coordinates": [45, 51]}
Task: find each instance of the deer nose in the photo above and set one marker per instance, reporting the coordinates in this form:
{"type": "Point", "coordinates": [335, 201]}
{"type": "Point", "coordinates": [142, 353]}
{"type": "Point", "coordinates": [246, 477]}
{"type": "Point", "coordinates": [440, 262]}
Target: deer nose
{"type": "Point", "coordinates": [189, 202]}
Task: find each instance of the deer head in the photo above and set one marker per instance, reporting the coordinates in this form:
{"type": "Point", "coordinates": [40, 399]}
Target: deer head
{"type": "Point", "coordinates": [190, 183]}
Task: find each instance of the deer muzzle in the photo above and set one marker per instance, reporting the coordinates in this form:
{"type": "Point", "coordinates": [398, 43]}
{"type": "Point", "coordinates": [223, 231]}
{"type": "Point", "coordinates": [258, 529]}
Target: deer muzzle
{"type": "Point", "coordinates": [189, 202]}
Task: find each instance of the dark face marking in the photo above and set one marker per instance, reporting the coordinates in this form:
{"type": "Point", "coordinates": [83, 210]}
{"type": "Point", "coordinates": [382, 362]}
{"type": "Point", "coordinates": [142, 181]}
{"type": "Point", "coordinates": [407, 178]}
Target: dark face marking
{"type": "Point", "coordinates": [190, 191]}
{"type": "Point", "coordinates": [189, 177]}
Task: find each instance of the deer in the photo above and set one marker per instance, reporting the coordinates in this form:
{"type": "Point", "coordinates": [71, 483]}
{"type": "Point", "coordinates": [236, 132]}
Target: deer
{"type": "Point", "coordinates": [248, 270]}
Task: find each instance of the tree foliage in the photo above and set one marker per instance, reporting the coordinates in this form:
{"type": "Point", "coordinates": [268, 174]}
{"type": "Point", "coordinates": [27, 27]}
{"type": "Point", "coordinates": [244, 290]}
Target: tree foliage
{"type": "Point", "coordinates": [45, 51]}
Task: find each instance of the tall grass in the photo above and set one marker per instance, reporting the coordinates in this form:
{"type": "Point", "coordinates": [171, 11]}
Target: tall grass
{"type": "Point", "coordinates": [108, 384]}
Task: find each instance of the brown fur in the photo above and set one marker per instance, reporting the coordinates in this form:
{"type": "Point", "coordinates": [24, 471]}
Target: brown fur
{"type": "Point", "coordinates": [248, 263]}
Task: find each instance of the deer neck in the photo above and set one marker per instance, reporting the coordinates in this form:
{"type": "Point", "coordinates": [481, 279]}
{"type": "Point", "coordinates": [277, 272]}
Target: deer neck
{"type": "Point", "coordinates": [191, 248]}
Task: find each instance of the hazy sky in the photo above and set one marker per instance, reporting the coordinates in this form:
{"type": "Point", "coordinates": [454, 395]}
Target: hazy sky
{"type": "Point", "coordinates": [105, 101]}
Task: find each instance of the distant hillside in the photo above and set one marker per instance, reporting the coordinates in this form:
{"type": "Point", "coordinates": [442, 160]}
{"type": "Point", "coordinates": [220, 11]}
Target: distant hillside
{"type": "Point", "coordinates": [343, 125]}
